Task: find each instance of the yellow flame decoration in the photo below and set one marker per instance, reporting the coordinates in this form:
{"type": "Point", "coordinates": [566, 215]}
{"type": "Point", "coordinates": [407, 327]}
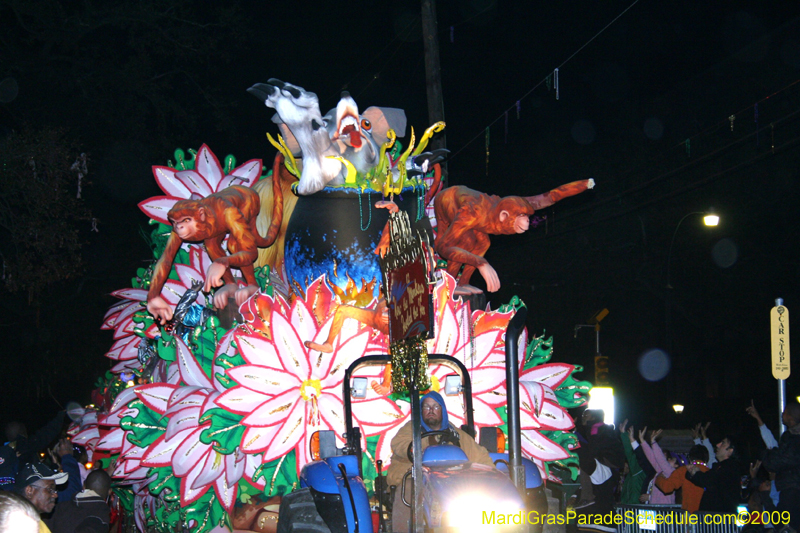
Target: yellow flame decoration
{"type": "Point", "coordinates": [288, 159]}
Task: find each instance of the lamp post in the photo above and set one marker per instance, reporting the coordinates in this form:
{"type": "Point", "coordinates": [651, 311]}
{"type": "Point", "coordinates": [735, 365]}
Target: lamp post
{"type": "Point", "coordinates": [600, 361]}
{"type": "Point", "coordinates": [710, 219]}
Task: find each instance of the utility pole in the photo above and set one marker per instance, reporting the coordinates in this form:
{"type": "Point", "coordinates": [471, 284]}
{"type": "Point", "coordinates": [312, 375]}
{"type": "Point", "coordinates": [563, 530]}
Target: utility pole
{"type": "Point", "coordinates": [433, 75]}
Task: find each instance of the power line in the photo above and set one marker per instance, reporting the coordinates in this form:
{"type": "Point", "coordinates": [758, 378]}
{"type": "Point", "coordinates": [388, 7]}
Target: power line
{"type": "Point", "coordinates": [689, 164]}
{"type": "Point", "coordinates": [671, 194]}
{"type": "Point", "coordinates": [513, 106]}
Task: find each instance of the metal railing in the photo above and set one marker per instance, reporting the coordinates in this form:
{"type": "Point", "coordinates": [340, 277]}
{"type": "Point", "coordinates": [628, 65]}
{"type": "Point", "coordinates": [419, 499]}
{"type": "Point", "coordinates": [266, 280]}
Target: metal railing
{"type": "Point", "coordinates": [671, 519]}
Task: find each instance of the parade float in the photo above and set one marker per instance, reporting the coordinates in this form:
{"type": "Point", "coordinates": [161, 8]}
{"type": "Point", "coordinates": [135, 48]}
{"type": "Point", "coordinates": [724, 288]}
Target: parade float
{"type": "Point", "coordinates": [229, 353]}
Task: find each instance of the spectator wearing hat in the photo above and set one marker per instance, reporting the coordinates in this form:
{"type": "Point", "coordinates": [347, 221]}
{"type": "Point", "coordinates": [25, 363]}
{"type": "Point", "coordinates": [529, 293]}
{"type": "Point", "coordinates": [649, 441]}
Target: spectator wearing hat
{"type": "Point", "coordinates": [17, 515]}
{"type": "Point", "coordinates": [36, 482]}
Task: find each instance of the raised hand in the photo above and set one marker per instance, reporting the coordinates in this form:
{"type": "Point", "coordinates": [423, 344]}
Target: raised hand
{"type": "Point", "coordinates": [642, 433]}
{"type": "Point", "coordinates": [655, 435]}
{"type": "Point", "coordinates": [752, 411]}
{"type": "Point", "coordinates": [754, 469]}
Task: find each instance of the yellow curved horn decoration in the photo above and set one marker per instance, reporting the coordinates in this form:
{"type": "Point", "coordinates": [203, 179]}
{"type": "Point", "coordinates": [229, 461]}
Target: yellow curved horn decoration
{"type": "Point", "coordinates": [382, 161]}
{"type": "Point", "coordinates": [404, 157]}
{"type": "Point", "coordinates": [423, 142]}
{"type": "Point", "coordinates": [350, 178]}
{"type": "Point", "coordinates": [288, 159]}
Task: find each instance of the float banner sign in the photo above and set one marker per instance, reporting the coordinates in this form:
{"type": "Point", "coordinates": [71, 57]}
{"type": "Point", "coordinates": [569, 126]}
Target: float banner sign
{"type": "Point", "coordinates": [779, 327]}
{"type": "Point", "coordinates": [409, 310]}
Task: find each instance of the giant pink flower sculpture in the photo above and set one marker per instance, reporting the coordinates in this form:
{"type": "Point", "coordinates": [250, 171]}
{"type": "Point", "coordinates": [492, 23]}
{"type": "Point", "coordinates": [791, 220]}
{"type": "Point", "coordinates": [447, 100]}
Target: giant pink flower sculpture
{"type": "Point", "coordinates": [206, 178]}
{"type": "Point", "coordinates": [287, 391]}
{"type": "Point", "coordinates": [197, 464]}
{"type": "Point", "coordinates": [85, 431]}
{"type": "Point", "coordinates": [195, 271]}
{"type": "Point", "coordinates": [120, 318]}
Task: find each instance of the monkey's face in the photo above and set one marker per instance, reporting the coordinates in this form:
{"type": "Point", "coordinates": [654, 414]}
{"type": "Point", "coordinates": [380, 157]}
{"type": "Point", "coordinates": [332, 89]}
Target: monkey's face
{"type": "Point", "coordinates": [521, 223]}
{"type": "Point", "coordinates": [186, 228]}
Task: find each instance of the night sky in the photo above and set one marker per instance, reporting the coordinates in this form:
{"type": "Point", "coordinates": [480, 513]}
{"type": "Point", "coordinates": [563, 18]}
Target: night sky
{"type": "Point", "coordinates": [646, 90]}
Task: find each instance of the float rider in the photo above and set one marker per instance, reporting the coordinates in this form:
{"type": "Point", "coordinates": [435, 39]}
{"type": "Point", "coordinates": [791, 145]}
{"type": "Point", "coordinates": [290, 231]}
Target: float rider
{"type": "Point", "coordinates": [434, 418]}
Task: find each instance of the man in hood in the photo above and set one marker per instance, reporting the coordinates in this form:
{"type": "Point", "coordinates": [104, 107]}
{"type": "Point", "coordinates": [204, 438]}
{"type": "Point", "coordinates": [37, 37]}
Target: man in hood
{"type": "Point", "coordinates": [434, 418]}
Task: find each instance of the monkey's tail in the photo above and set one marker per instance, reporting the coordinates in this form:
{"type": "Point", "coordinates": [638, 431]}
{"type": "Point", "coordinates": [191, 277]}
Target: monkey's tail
{"type": "Point", "coordinates": [436, 185]}
{"type": "Point", "coordinates": [277, 206]}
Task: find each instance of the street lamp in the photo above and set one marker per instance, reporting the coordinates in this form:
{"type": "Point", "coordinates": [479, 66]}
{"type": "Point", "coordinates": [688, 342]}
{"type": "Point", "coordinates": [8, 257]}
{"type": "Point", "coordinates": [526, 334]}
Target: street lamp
{"type": "Point", "coordinates": [600, 361]}
{"type": "Point", "coordinates": [710, 219]}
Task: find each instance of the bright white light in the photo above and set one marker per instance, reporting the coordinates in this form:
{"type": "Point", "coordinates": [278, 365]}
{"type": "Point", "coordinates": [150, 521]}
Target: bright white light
{"type": "Point", "coordinates": [466, 513]}
{"type": "Point", "coordinates": [678, 408]}
{"type": "Point", "coordinates": [603, 398]}
{"type": "Point", "coordinates": [711, 219]}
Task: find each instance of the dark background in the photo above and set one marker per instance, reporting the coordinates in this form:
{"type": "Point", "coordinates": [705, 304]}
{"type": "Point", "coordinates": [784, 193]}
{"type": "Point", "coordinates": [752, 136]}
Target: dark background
{"type": "Point", "coordinates": [643, 109]}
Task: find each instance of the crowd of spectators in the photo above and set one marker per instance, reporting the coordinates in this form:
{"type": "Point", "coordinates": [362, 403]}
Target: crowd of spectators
{"type": "Point", "coordinates": [45, 489]}
{"type": "Point", "coordinates": [623, 467]}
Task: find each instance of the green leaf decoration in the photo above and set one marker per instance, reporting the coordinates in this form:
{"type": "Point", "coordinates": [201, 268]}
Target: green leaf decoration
{"type": "Point", "coordinates": [158, 239]}
{"type": "Point", "coordinates": [167, 518]}
{"type": "Point", "coordinates": [167, 485]}
{"type": "Point", "coordinates": [142, 279]}
{"type": "Point", "coordinates": [145, 427]}
{"type": "Point", "coordinates": [229, 361]}
{"type": "Point", "coordinates": [368, 466]}
{"type": "Point", "coordinates": [225, 432]}
{"type": "Point", "coordinates": [165, 347]}
{"type": "Point", "coordinates": [279, 475]}
{"type": "Point", "coordinates": [125, 496]}
{"type": "Point", "coordinates": [262, 279]}
{"type": "Point", "coordinates": [203, 345]}
{"type": "Point", "coordinates": [206, 513]}
{"type": "Point", "coordinates": [539, 351]}
{"type": "Point", "coordinates": [229, 164]}
{"type": "Point", "coordinates": [572, 393]}
{"type": "Point", "coordinates": [247, 490]}
{"type": "Point", "coordinates": [514, 305]}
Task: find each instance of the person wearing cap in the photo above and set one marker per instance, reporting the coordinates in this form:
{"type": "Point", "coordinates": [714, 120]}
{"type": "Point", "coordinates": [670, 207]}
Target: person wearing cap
{"type": "Point", "coordinates": [17, 515]}
{"type": "Point", "coordinates": [434, 418]}
{"type": "Point", "coordinates": [36, 482]}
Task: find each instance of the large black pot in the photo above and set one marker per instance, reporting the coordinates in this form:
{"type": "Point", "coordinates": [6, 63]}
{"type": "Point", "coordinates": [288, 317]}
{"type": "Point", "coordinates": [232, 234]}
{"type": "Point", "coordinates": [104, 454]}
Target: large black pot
{"type": "Point", "coordinates": [335, 232]}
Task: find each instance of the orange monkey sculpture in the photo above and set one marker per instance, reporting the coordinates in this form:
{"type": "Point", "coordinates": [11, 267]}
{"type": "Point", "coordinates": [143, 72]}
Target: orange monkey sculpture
{"type": "Point", "coordinates": [231, 212]}
{"type": "Point", "coordinates": [466, 218]}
